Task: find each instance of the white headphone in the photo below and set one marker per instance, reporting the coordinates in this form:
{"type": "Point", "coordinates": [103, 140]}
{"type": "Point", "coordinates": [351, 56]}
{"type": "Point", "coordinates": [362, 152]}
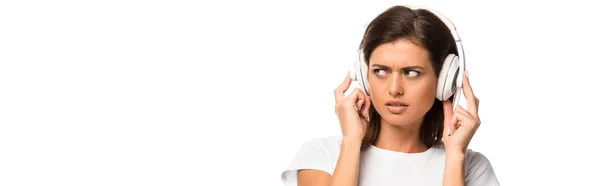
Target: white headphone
{"type": "Point", "coordinates": [450, 78]}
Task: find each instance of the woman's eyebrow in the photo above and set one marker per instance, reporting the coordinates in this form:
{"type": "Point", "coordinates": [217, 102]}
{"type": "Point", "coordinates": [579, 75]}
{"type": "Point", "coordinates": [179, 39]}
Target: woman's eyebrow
{"type": "Point", "coordinates": [403, 68]}
{"type": "Point", "coordinates": [413, 67]}
{"type": "Point", "coordinates": [381, 66]}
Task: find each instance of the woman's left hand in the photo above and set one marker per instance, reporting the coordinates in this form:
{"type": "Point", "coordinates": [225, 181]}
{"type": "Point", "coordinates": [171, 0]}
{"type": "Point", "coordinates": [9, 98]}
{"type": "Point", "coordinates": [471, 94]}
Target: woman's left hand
{"type": "Point", "coordinates": [460, 125]}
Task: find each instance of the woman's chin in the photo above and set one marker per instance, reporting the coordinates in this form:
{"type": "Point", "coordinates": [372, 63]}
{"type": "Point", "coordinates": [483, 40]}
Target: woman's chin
{"type": "Point", "coordinates": [396, 120]}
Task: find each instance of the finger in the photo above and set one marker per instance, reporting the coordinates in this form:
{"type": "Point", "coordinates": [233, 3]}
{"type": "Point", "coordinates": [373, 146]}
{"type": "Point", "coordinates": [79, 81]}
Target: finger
{"type": "Point", "coordinates": [359, 104]}
{"type": "Point", "coordinates": [454, 122]}
{"type": "Point", "coordinates": [447, 117]}
{"type": "Point", "coordinates": [341, 89]}
{"type": "Point", "coordinates": [357, 96]}
{"type": "Point", "coordinates": [366, 107]}
{"type": "Point", "coordinates": [459, 118]}
{"type": "Point", "coordinates": [467, 115]}
{"type": "Point", "coordinates": [462, 115]}
{"type": "Point", "coordinates": [460, 110]}
{"type": "Point", "coordinates": [472, 101]}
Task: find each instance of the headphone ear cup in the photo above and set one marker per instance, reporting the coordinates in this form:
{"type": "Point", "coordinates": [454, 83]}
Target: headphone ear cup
{"type": "Point", "coordinates": [360, 74]}
{"type": "Point", "coordinates": [364, 74]}
{"type": "Point", "coordinates": [446, 85]}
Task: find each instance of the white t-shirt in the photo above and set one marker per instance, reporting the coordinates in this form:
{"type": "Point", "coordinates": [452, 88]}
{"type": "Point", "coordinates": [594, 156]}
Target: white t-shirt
{"type": "Point", "coordinates": [385, 167]}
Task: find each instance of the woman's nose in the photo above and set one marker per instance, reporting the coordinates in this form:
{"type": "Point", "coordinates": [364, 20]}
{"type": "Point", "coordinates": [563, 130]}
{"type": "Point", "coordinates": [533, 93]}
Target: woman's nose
{"type": "Point", "coordinates": [396, 85]}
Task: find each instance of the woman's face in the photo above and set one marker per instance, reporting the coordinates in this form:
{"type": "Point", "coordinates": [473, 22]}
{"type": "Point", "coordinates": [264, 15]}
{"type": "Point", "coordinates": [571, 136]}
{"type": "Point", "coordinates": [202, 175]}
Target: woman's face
{"type": "Point", "coordinates": [402, 82]}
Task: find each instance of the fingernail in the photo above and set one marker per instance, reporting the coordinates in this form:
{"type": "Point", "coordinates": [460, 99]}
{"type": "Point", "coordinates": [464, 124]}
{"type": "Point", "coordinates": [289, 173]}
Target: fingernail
{"type": "Point", "coordinates": [467, 73]}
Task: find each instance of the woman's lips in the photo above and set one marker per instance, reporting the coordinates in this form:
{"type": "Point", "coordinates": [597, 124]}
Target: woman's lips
{"type": "Point", "coordinates": [396, 109]}
{"type": "Point", "coordinates": [396, 106]}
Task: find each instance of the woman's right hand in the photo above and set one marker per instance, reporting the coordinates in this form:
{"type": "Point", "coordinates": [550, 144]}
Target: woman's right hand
{"type": "Point", "coordinates": [352, 111]}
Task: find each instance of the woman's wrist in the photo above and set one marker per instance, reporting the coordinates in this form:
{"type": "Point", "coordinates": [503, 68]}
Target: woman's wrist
{"type": "Point", "coordinates": [455, 155]}
{"type": "Point", "coordinates": [351, 141]}
{"type": "Point", "coordinates": [454, 171]}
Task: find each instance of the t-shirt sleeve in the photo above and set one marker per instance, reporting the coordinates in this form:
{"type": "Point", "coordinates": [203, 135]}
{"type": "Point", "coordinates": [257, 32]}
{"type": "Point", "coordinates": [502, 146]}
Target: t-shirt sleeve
{"type": "Point", "coordinates": [479, 171]}
{"type": "Point", "coordinates": [310, 156]}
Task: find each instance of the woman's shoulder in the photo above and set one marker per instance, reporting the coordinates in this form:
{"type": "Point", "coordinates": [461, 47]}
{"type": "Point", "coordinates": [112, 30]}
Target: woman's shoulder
{"type": "Point", "coordinates": [326, 148]}
{"type": "Point", "coordinates": [479, 169]}
{"type": "Point", "coordinates": [319, 153]}
{"type": "Point", "coordinates": [326, 142]}
{"type": "Point", "coordinates": [476, 159]}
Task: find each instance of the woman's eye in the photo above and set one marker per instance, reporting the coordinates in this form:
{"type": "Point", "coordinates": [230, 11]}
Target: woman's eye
{"type": "Point", "coordinates": [379, 72]}
{"type": "Point", "coordinates": [412, 73]}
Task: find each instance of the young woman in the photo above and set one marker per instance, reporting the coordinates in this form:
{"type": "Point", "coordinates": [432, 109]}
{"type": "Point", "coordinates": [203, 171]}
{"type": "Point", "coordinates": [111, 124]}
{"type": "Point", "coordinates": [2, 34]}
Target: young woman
{"type": "Point", "coordinates": [399, 133]}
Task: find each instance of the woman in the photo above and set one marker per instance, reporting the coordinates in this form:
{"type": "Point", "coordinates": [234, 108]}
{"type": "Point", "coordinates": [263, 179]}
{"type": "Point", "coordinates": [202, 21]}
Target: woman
{"type": "Point", "coordinates": [399, 133]}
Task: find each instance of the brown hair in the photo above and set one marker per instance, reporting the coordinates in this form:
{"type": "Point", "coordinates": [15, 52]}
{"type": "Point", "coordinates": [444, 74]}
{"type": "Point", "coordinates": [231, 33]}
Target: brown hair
{"type": "Point", "coordinates": [426, 30]}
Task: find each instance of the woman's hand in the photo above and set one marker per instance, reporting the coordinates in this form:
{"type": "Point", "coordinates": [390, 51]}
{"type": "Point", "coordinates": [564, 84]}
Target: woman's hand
{"type": "Point", "coordinates": [460, 125]}
{"type": "Point", "coordinates": [352, 111]}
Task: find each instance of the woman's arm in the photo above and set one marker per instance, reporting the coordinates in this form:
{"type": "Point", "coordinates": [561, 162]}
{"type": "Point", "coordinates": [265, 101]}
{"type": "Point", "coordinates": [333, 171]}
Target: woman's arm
{"type": "Point", "coordinates": [459, 127]}
{"type": "Point", "coordinates": [346, 169]}
{"type": "Point", "coordinates": [454, 173]}
{"type": "Point", "coordinates": [353, 123]}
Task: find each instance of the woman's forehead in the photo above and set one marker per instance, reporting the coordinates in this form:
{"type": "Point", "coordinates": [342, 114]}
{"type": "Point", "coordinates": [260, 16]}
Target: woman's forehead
{"type": "Point", "coordinates": [400, 53]}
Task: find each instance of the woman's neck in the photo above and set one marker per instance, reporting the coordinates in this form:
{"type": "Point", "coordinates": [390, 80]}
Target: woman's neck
{"type": "Point", "coordinates": [400, 138]}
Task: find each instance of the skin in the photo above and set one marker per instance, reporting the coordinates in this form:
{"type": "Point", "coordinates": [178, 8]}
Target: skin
{"type": "Point", "coordinates": [399, 70]}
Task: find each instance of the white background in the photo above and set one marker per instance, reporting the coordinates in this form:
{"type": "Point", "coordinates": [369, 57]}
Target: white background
{"type": "Point", "coordinates": [224, 93]}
